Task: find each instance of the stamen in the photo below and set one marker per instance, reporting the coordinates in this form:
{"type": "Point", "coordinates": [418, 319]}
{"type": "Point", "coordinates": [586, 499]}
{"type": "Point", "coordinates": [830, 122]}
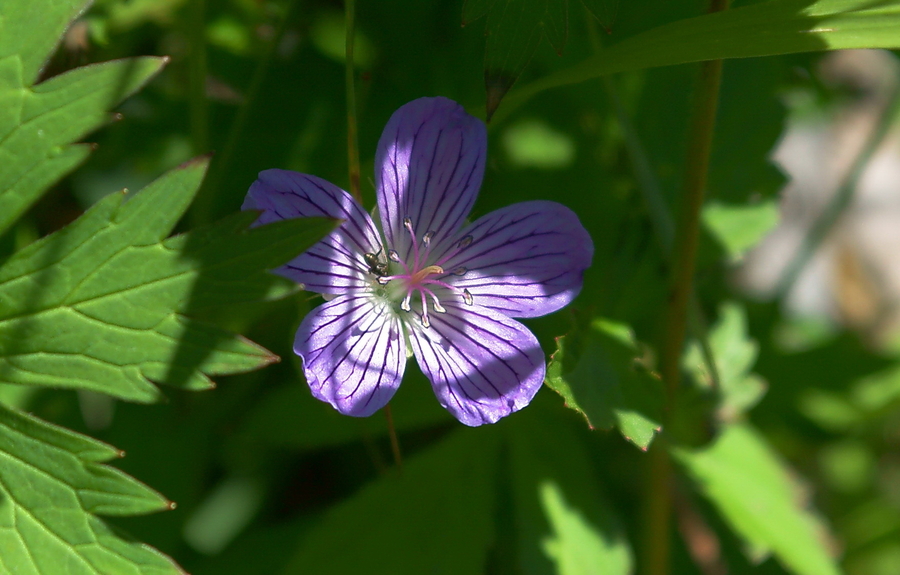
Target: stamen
{"type": "Point", "coordinates": [425, 321]}
{"type": "Point", "coordinates": [467, 297]}
{"type": "Point", "coordinates": [426, 239]}
{"type": "Point", "coordinates": [394, 256]}
{"type": "Point", "coordinates": [404, 305]}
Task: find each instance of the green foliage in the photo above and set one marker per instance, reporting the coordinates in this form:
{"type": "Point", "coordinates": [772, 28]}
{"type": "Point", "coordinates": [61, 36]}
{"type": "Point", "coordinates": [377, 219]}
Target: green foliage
{"type": "Point", "coordinates": [52, 484]}
{"type": "Point", "coordinates": [99, 304]}
{"type": "Point", "coordinates": [563, 521]}
{"type": "Point", "coordinates": [603, 379]}
{"type": "Point", "coordinates": [761, 29]}
{"type": "Point", "coordinates": [756, 494]}
{"type": "Point", "coordinates": [392, 526]}
{"type": "Point", "coordinates": [268, 480]}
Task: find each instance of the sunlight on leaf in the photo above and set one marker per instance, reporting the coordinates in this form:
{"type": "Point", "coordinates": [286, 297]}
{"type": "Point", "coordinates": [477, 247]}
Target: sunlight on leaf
{"type": "Point", "coordinates": [739, 228]}
{"type": "Point", "coordinates": [52, 483]}
{"type": "Point", "coordinates": [99, 304]}
{"type": "Point", "coordinates": [598, 374]}
{"type": "Point", "coordinates": [756, 494]}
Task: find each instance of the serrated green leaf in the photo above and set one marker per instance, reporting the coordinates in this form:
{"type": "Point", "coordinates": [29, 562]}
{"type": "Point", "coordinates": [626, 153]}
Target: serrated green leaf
{"type": "Point", "coordinates": [763, 29]}
{"type": "Point", "coordinates": [514, 30]}
{"type": "Point", "coordinates": [739, 228]}
{"type": "Point", "coordinates": [436, 517]}
{"type": "Point", "coordinates": [563, 523]}
{"type": "Point", "coordinates": [757, 495]}
{"type": "Point", "coordinates": [52, 483]}
{"type": "Point", "coordinates": [100, 304]}
{"type": "Point", "coordinates": [735, 354]}
{"type": "Point", "coordinates": [33, 29]}
{"type": "Point", "coordinates": [35, 147]}
{"type": "Point", "coordinates": [599, 375]}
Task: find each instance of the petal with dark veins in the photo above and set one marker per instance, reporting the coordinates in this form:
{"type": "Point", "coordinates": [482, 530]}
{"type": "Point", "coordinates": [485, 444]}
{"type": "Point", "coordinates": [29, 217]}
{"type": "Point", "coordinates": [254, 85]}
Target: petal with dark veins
{"type": "Point", "coordinates": [353, 354]}
{"type": "Point", "coordinates": [337, 262]}
{"type": "Point", "coordinates": [482, 365]}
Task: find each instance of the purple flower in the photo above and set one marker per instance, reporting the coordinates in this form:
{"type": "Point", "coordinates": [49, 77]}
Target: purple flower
{"type": "Point", "coordinates": [425, 279]}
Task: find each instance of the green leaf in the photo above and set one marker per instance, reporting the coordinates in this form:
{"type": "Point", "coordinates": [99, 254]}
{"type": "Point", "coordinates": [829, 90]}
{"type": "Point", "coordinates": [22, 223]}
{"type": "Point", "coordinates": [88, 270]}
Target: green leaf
{"type": "Point", "coordinates": [39, 125]}
{"type": "Point", "coordinates": [739, 228]}
{"type": "Point", "coordinates": [435, 517]}
{"type": "Point", "coordinates": [563, 523]}
{"type": "Point", "coordinates": [598, 373]}
{"type": "Point", "coordinates": [273, 421]}
{"type": "Point", "coordinates": [52, 483]}
{"type": "Point", "coordinates": [603, 10]}
{"type": "Point", "coordinates": [33, 29]}
{"type": "Point", "coordinates": [101, 304]}
{"type": "Point", "coordinates": [763, 29]}
{"type": "Point", "coordinates": [735, 354]}
{"type": "Point", "coordinates": [760, 499]}
{"type": "Point", "coordinates": [514, 31]}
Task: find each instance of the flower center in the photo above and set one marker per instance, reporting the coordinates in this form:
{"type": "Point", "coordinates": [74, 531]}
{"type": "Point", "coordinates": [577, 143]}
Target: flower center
{"type": "Point", "coordinates": [428, 279]}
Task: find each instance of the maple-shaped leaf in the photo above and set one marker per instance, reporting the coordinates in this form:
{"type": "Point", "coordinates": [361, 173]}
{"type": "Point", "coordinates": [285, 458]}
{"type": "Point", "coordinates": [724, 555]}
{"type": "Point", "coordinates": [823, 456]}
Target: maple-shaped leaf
{"type": "Point", "coordinates": [102, 303]}
{"type": "Point", "coordinates": [39, 123]}
{"type": "Point", "coordinates": [52, 485]}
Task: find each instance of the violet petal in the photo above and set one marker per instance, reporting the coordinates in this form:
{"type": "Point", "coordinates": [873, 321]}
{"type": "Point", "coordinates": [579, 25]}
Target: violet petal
{"type": "Point", "coordinates": [353, 354]}
{"type": "Point", "coordinates": [334, 264]}
{"type": "Point", "coordinates": [524, 260]}
{"type": "Point", "coordinates": [482, 365]}
{"type": "Point", "coordinates": [428, 167]}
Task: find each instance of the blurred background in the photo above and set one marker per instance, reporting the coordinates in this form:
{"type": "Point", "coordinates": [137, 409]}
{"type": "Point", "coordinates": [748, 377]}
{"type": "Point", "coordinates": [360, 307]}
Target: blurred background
{"type": "Point", "coordinates": [802, 234]}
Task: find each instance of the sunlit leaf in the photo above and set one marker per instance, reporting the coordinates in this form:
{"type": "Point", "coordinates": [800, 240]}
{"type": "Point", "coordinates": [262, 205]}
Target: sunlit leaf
{"type": "Point", "coordinates": [758, 497]}
{"type": "Point", "coordinates": [52, 484]}
{"type": "Point", "coordinates": [761, 29]}
{"type": "Point", "coordinates": [99, 305]}
{"type": "Point", "coordinates": [598, 374]}
{"type": "Point", "coordinates": [734, 354]}
{"type": "Point", "coordinates": [563, 523]}
{"type": "Point", "coordinates": [739, 228]}
{"type": "Point", "coordinates": [39, 124]}
{"type": "Point", "coordinates": [435, 517]}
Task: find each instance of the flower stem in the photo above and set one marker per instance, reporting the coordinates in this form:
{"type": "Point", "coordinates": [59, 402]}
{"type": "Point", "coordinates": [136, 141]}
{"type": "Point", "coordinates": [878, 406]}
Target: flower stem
{"type": "Point", "coordinates": [392, 432]}
{"type": "Point", "coordinates": [658, 500]}
{"type": "Point", "coordinates": [352, 146]}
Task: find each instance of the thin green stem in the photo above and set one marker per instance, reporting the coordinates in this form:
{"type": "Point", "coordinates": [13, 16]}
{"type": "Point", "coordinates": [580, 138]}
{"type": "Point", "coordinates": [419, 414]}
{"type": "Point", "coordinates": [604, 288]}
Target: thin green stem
{"type": "Point", "coordinates": [202, 210]}
{"type": "Point", "coordinates": [687, 236]}
{"type": "Point", "coordinates": [199, 109]}
{"type": "Point", "coordinates": [392, 432]}
{"type": "Point", "coordinates": [352, 146]}
{"type": "Point", "coordinates": [842, 198]}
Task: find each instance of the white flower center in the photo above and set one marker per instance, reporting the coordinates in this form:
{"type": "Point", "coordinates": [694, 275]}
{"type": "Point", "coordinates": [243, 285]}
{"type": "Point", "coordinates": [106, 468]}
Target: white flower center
{"type": "Point", "coordinates": [429, 279]}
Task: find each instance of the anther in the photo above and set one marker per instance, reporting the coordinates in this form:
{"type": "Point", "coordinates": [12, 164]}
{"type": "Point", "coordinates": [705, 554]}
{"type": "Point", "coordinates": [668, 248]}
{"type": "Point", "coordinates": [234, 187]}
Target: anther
{"type": "Point", "coordinates": [460, 271]}
{"type": "Point", "coordinates": [463, 243]}
{"type": "Point", "coordinates": [426, 239]}
{"type": "Point", "coordinates": [467, 297]}
{"type": "Point", "coordinates": [394, 256]}
{"type": "Point", "coordinates": [425, 321]}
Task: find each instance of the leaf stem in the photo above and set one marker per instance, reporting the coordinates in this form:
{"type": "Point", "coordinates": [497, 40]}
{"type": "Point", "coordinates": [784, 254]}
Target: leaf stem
{"type": "Point", "coordinates": [352, 145]}
{"type": "Point", "coordinates": [687, 236]}
{"type": "Point", "coordinates": [392, 432]}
